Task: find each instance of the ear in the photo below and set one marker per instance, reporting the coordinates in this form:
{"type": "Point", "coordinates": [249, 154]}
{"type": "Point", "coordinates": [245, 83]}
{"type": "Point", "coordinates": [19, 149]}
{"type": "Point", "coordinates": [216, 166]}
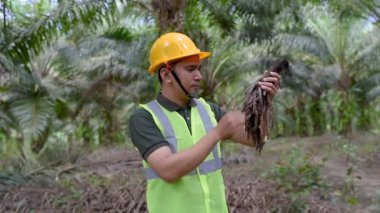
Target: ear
{"type": "Point", "coordinates": [165, 75]}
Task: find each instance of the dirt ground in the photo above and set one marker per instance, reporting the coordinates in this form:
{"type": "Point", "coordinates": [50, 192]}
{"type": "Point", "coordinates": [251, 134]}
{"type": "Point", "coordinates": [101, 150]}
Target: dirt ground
{"type": "Point", "coordinates": [111, 180]}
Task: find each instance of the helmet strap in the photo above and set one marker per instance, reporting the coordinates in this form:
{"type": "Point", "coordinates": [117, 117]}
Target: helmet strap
{"type": "Point", "coordinates": [178, 81]}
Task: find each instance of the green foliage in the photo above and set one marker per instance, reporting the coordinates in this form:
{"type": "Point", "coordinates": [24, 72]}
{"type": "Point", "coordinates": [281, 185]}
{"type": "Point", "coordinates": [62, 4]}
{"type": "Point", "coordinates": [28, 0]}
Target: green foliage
{"type": "Point", "coordinates": [31, 34]}
{"type": "Point", "coordinates": [33, 115]}
{"type": "Point", "coordinates": [10, 152]}
{"type": "Point", "coordinates": [219, 14]}
{"type": "Point", "coordinates": [9, 179]}
{"type": "Point", "coordinates": [84, 85]}
{"type": "Point", "coordinates": [57, 149]}
{"type": "Point", "coordinates": [349, 151]}
{"type": "Point", "coordinates": [259, 18]}
{"type": "Point", "coordinates": [74, 72]}
{"type": "Point", "coordinates": [297, 173]}
{"type": "Point", "coordinates": [297, 176]}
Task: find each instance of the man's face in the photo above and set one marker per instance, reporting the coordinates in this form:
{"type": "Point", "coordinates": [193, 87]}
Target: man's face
{"type": "Point", "coordinates": [188, 71]}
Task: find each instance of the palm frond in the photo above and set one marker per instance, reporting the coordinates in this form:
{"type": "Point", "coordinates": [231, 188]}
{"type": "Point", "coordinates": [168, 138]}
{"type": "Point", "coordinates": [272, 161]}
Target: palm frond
{"type": "Point", "coordinates": [6, 64]}
{"type": "Point", "coordinates": [261, 19]}
{"type": "Point", "coordinates": [33, 115]}
{"type": "Point", "coordinates": [368, 9]}
{"type": "Point", "coordinates": [102, 68]}
{"type": "Point", "coordinates": [373, 93]}
{"type": "Point", "coordinates": [5, 120]}
{"type": "Point", "coordinates": [220, 13]}
{"type": "Point", "coordinates": [364, 42]}
{"type": "Point", "coordinates": [327, 27]}
{"type": "Point", "coordinates": [62, 19]}
{"type": "Point", "coordinates": [369, 86]}
{"type": "Point", "coordinates": [119, 33]}
{"type": "Point", "coordinates": [218, 69]}
{"type": "Point", "coordinates": [305, 43]}
{"type": "Point", "coordinates": [121, 62]}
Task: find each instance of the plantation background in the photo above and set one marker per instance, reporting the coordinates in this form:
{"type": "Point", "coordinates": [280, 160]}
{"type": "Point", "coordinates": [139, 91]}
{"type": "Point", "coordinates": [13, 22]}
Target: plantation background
{"type": "Point", "coordinates": [73, 71]}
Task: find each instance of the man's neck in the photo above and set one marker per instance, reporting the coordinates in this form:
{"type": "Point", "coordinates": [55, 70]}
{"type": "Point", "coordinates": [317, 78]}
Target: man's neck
{"type": "Point", "coordinates": [181, 100]}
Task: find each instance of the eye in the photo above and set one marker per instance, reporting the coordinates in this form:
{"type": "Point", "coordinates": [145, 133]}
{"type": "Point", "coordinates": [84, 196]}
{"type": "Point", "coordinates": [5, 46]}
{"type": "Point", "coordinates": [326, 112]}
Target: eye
{"type": "Point", "coordinates": [191, 68]}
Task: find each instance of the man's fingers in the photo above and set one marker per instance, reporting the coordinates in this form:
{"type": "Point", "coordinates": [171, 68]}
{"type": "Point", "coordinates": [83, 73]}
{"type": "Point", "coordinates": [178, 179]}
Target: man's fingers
{"type": "Point", "coordinates": [274, 74]}
{"type": "Point", "coordinates": [269, 87]}
{"type": "Point", "coordinates": [271, 79]}
{"type": "Point", "coordinates": [268, 84]}
{"type": "Point", "coordinates": [274, 80]}
{"type": "Point", "coordinates": [271, 84]}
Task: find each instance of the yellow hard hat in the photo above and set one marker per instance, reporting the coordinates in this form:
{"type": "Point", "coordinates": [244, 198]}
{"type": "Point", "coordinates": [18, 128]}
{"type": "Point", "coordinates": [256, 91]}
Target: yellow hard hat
{"type": "Point", "coordinates": [172, 46]}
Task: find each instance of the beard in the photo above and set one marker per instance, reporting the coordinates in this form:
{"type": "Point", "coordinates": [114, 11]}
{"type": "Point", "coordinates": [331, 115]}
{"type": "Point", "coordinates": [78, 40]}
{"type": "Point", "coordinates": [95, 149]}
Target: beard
{"type": "Point", "coordinates": [195, 93]}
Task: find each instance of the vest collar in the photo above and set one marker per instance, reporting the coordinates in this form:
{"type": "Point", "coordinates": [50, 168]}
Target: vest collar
{"type": "Point", "coordinates": [170, 105]}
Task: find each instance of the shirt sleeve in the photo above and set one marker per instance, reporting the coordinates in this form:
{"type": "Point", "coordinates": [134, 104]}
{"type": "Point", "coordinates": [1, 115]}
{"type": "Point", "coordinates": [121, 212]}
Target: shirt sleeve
{"type": "Point", "coordinates": [218, 111]}
{"type": "Point", "coordinates": [145, 134]}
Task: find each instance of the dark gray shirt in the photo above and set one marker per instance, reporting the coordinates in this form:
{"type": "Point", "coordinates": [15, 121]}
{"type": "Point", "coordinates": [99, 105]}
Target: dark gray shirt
{"type": "Point", "coordinates": [145, 134]}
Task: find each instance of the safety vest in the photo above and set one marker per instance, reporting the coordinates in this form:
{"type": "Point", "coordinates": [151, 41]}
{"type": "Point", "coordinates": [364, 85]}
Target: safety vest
{"type": "Point", "coordinates": [201, 190]}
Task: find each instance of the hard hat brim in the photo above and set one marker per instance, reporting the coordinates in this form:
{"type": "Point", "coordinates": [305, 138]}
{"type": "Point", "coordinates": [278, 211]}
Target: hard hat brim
{"type": "Point", "coordinates": [202, 55]}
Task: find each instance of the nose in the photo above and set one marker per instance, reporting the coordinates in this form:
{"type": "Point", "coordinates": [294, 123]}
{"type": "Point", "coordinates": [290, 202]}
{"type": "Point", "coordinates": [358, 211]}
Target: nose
{"type": "Point", "coordinates": [198, 75]}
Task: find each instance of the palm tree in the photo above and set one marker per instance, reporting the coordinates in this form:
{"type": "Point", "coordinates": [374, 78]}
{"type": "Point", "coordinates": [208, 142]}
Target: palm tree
{"type": "Point", "coordinates": [26, 36]}
{"type": "Point", "coordinates": [343, 48]}
{"type": "Point", "coordinates": [366, 9]}
{"type": "Point", "coordinates": [168, 15]}
{"type": "Point", "coordinates": [49, 79]}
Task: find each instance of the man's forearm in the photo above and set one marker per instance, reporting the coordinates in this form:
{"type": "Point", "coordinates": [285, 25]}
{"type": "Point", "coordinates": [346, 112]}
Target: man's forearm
{"type": "Point", "coordinates": [173, 166]}
{"type": "Point", "coordinates": [241, 135]}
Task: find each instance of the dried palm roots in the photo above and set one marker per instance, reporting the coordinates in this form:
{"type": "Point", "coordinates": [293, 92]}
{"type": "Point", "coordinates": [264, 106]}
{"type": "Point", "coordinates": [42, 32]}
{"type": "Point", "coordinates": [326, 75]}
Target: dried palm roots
{"type": "Point", "coordinates": [258, 108]}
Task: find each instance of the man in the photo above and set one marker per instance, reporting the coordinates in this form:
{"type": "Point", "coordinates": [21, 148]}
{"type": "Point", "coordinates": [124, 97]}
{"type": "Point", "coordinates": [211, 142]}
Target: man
{"type": "Point", "coordinates": [178, 135]}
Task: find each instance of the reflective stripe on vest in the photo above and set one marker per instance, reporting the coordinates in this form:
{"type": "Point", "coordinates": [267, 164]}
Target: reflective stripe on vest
{"type": "Point", "coordinates": [206, 166]}
{"type": "Point", "coordinates": [168, 128]}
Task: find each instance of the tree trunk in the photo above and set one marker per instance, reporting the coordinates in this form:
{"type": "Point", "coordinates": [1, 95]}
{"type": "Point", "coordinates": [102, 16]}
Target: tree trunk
{"type": "Point", "coordinates": [4, 8]}
{"type": "Point", "coordinates": [343, 84]}
{"type": "Point", "coordinates": [30, 160]}
{"type": "Point", "coordinates": [316, 116]}
{"type": "Point", "coordinates": [169, 15]}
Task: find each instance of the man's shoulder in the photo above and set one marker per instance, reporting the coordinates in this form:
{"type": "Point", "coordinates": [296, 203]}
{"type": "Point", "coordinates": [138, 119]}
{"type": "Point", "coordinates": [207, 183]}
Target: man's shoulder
{"type": "Point", "coordinates": [212, 104]}
{"type": "Point", "coordinates": [217, 110]}
{"type": "Point", "coordinates": [140, 113]}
